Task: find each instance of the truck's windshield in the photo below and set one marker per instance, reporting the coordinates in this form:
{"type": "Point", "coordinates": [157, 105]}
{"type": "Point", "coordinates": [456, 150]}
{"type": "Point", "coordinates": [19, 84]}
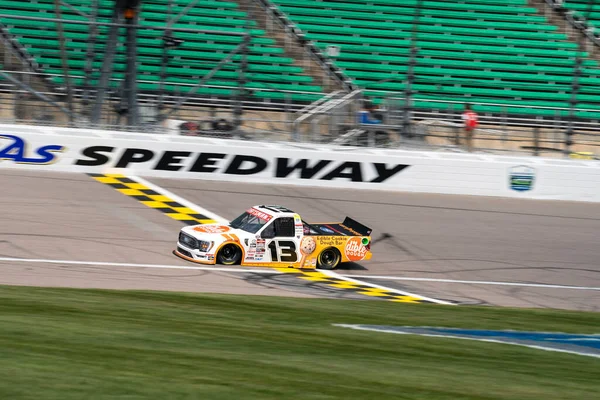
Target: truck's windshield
{"type": "Point", "coordinates": [250, 221]}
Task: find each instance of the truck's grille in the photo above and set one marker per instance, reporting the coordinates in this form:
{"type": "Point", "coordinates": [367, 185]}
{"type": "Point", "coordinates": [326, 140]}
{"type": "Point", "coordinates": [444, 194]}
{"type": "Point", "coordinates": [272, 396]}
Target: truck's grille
{"type": "Point", "coordinates": [184, 252]}
{"type": "Point", "coordinates": [188, 241]}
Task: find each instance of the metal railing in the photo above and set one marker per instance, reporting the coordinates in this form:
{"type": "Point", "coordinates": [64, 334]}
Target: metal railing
{"type": "Point", "coordinates": [443, 129]}
{"type": "Point", "coordinates": [335, 107]}
{"type": "Point", "coordinates": [334, 121]}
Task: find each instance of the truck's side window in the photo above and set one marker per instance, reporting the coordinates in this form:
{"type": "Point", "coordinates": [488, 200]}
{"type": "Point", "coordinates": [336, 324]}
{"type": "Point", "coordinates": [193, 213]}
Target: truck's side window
{"type": "Point", "coordinates": [269, 231]}
{"type": "Point", "coordinates": [284, 227]}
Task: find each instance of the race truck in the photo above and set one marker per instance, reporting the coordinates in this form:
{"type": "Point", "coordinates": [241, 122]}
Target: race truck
{"type": "Point", "coordinates": [275, 236]}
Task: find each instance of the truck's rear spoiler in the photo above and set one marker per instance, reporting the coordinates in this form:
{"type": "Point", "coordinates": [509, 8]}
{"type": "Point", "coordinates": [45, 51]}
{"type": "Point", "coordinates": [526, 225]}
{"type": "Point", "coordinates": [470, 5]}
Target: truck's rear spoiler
{"type": "Point", "coordinates": [357, 227]}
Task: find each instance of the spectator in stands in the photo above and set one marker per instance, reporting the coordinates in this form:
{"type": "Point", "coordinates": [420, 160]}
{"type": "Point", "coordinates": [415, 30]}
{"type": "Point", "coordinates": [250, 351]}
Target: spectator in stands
{"type": "Point", "coordinates": [188, 129]}
{"type": "Point", "coordinates": [221, 125]}
{"type": "Point", "coordinates": [367, 116]}
{"type": "Point", "coordinates": [471, 121]}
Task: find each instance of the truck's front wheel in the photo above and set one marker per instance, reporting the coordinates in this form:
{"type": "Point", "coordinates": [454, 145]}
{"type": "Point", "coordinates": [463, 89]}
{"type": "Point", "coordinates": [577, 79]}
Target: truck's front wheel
{"type": "Point", "coordinates": [230, 254]}
{"type": "Point", "coordinates": [329, 258]}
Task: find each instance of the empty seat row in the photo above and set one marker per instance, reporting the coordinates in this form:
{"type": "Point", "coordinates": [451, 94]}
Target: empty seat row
{"type": "Point", "coordinates": [395, 7]}
{"type": "Point", "coordinates": [401, 14]}
{"type": "Point", "coordinates": [552, 58]}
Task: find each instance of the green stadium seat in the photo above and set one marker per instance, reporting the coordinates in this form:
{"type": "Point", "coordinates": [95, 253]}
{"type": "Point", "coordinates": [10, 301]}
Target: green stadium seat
{"type": "Point", "coordinates": [492, 28]}
{"type": "Point", "coordinates": [191, 39]}
{"type": "Point", "coordinates": [146, 45]}
{"type": "Point", "coordinates": [551, 57]}
{"type": "Point", "coordinates": [442, 33]}
{"type": "Point", "coordinates": [440, 41]}
{"type": "Point", "coordinates": [401, 14]}
{"type": "Point", "coordinates": [392, 6]}
{"type": "Point", "coordinates": [175, 67]}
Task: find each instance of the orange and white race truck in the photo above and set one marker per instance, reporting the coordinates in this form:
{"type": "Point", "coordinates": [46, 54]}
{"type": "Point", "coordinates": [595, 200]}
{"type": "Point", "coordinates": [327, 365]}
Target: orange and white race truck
{"type": "Point", "coordinates": [275, 236]}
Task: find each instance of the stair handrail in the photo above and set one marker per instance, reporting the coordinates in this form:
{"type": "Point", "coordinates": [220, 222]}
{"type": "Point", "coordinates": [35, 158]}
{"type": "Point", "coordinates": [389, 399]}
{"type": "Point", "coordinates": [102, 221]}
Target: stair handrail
{"type": "Point", "coordinates": [324, 108]}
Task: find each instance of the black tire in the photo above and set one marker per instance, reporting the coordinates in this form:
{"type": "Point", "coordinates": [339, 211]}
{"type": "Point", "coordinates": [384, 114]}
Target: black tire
{"type": "Point", "coordinates": [229, 254]}
{"type": "Point", "coordinates": [329, 258]}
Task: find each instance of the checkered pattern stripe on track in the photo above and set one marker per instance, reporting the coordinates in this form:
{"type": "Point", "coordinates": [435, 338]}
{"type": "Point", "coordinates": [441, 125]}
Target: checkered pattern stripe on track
{"type": "Point", "coordinates": [383, 294]}
{"type": "Point", "coordinates": [153, 199]}
{"type": "Point", "coordinates": [188, 216]}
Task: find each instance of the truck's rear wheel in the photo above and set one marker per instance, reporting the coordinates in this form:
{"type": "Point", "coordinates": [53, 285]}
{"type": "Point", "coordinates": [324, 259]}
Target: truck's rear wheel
{"type": "Point", "coordinates": [230, 254]}
{"type": "Point", "coordinates": [329, 258]}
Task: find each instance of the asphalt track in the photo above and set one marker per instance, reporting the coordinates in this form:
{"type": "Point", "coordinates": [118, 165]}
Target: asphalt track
{"type": "Point", "coordinates": [464, 249]}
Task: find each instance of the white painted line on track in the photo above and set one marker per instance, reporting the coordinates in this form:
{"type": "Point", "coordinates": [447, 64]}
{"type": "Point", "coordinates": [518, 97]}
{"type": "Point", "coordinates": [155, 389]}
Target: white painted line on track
{"type": "Point", "coordinates": [440, 280]}
{"type": "Point", "coordinates": [207, 268]}
{"type": "Point", "coordinates": [364, 328]}
{"type": "Point", "coordinates": [130, 265]}
{"type": "Point", "coordinates": [181, 200]}
{"type": "Point", "coordinates": [400, 292]}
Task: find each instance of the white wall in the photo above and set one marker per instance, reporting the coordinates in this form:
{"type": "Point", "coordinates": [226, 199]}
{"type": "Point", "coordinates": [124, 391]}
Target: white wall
{"type": "Point", "coordinates": [92, 151]}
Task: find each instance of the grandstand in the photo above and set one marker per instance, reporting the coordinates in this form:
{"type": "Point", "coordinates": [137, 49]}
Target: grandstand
{"type": "Point", "coordinates": [483, 51]}
{"type": "Point", "coordinates": [503, 56]}
{"type": "Point", "coordinates": [168, 62]}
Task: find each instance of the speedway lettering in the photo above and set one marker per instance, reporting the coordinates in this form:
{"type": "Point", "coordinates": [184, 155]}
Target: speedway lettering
{"type": "Point", "coordinates": [16, 151]}
{"type": "Point", "coordinates": [238, 164]}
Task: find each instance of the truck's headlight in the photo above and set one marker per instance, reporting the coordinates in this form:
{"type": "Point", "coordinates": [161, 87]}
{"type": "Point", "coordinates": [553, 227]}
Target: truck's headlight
{"type": "Point", "coordinates": [187, 240]}
{"type": "Point", "coordinates": [204, 246]}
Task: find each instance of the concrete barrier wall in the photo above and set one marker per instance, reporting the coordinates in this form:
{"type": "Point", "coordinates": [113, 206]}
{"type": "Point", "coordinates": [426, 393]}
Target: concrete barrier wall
{"type": "Point", "coordinates": [180, 157]}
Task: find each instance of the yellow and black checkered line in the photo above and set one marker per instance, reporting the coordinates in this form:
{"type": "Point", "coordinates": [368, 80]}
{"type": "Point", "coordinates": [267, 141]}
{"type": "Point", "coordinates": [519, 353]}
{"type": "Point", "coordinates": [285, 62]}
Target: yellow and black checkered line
{"type": "Point", "coordinates": [153, 199]}
{"type": "Point", "coordinates": [316, 276]}
{"type": "Point", "coordinates": [186, 215]}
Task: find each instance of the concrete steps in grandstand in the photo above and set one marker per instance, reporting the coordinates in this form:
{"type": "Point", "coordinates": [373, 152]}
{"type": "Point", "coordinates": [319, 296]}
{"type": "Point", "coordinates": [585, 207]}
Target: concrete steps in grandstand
{"type": "Point", "coordinates": [292, 48]}
{"type": "Point", "coordinates": [553, 18]}
{"type": "Point", "coordinates": [558, 19]}
{"type": "Point", "coordinates": [16, 103]}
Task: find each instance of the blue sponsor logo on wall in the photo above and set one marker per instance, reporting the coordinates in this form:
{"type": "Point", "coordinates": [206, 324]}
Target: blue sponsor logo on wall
{"type": "Point", "coordinates": [15, 149]}
{"type": "Point", "coordinates": [587, 345]}
{"type": "Point", "coordinates": [521, 178]}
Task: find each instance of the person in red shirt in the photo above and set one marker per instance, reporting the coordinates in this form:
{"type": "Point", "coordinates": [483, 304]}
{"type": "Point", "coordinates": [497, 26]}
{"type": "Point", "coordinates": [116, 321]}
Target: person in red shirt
{"type": "Point", "coordinates": [470, 119]}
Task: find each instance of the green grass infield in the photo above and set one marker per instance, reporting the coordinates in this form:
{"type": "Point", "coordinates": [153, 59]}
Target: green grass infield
{"type": "Point", "coordinates": [96, 344]}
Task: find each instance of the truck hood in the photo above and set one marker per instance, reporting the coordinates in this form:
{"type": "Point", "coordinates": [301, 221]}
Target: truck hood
{"type": "Point", "coordinates": [212, 231]}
